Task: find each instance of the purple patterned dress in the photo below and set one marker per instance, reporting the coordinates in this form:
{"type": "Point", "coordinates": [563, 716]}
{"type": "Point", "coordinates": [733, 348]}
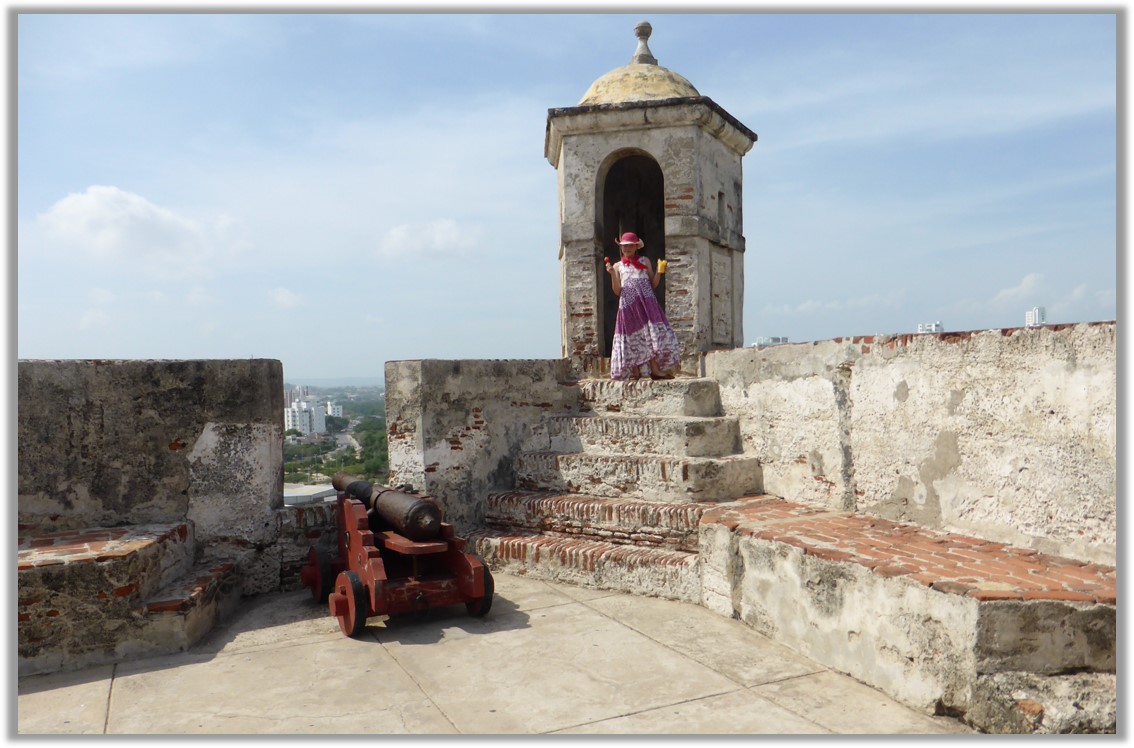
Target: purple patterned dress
{"type": "Point", "coordinates": [642, 331]}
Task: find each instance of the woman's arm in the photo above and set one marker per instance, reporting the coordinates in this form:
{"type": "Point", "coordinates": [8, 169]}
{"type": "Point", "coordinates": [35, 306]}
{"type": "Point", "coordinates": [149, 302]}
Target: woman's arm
{"type": "Point", "coordinates": [615, 279]}
{"type": "Point", "coordinates": [655, 278]}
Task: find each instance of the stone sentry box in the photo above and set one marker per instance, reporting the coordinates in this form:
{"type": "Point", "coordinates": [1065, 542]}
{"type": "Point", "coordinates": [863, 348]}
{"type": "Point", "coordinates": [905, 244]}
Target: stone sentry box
{"type": "Point", "coordinates": [643, 151]}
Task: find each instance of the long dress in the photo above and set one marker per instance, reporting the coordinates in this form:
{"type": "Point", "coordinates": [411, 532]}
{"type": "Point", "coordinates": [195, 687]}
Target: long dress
{"type": "Point", "coordinates": [641, 331]}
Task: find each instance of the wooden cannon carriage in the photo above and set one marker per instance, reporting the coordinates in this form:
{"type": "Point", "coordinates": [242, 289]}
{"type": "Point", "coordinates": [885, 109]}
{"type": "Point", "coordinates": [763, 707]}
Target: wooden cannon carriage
{"type": "Point", "coordinates": [396, 554]}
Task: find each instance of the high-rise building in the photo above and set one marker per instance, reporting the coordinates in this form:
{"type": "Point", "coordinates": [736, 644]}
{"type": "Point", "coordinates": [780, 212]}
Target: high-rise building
{"type": "Point", "coordinates": [1035, 316]}
{"type": "Point", "coordinates": [924, 327]}
{"type": "Point", "coordinates": [305, 419]}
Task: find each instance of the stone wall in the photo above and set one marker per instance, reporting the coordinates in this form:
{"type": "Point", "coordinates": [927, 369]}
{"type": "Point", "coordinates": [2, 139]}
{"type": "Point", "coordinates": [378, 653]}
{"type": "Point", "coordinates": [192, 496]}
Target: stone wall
{"type": "Point", "coordinates": [456, 427]}
{"type": "Point", "coordinates": [300, 529]}
{"type": "Point", "coordinates": [109, 443]}
{"type": "Point", "coordinates": [1009, 434]}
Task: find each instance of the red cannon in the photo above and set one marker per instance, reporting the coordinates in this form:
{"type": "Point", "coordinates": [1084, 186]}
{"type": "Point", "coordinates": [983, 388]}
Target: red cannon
{"type": "Point", "coordinates": [395, 555]}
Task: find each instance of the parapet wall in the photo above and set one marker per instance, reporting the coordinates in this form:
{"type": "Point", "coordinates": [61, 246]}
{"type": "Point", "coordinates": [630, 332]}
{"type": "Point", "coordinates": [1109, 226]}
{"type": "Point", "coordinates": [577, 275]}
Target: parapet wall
{"type": "Point", "coordinates": [456, 427]}
{"type": "Point", "coordinates": [110, 443]}
{"type": "Point", "coordinates": [1009, 434]}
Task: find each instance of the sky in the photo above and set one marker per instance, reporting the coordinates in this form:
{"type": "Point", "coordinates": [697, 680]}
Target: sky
{"type": "Point", "coordinates": [340, 190]}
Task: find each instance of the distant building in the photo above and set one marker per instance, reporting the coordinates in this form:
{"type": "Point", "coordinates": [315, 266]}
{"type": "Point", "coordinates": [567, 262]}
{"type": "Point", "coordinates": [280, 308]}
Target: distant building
{"type": "Point", "coordinates": [924, 327]}
{"type": "Point", "coordinates": [765, 341]}
{"type": "Point", "coordinates": [334, 410]}
{"type": "Point", "coordinates": [1035, 316]}
{"type": "Point", "coordinates": [298, 494]}
{"type": "Point", "coordinates": [305, 419]}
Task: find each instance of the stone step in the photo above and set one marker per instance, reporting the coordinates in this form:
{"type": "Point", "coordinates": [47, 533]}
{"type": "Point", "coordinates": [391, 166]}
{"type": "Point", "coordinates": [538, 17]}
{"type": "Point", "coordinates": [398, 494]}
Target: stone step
{"type": "Point", "coordinates": [181, 613]}
{"type": "Point", "coordinates": [933, 619]}
{"type": "Point", "coordinates": [661, 478]}
{"type": "Point", "coordinates": [132, 561]}
{"type": "Point", "coordinates": [622, 521]}
{"type": "Point", "coordinates": [669, 397]}
{"type": "Point", "coordinates": [83, 593]}
{"type": "Point", "coordinates": [690, 436]}
{"type": "Point", "coordinates": [608, 566]}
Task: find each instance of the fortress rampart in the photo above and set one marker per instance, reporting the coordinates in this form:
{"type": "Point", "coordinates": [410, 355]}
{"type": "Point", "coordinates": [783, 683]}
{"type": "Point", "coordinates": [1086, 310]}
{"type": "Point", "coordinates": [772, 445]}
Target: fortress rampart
{"type": "Point", "coordinates": [1010, 435]}
{"type": "Point", "coordinates": [932, 514]}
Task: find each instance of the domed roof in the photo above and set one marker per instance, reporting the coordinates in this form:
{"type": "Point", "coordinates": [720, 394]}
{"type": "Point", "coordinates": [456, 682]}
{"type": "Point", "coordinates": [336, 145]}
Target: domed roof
{"type": "Point", "coordinates": [642, 80]}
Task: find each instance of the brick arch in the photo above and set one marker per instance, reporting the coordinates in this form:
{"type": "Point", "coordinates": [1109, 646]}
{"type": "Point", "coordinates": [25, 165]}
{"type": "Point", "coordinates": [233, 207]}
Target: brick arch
{"type": "Point", "coordinates": [630, 197]}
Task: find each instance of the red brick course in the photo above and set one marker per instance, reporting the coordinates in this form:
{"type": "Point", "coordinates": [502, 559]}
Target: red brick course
{"type": "Point", "coordinates": [626, 522]}
{"type": "Point", "coordinates": [949, 562]}
{"type": "Point", "coordinates": [94, 545]}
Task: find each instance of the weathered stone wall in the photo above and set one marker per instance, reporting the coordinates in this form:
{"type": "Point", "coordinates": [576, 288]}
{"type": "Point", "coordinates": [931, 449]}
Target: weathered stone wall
{"type": "Point", "coordinates": [914, 643]}
{"type": "Point", "coordinates": [300, 528]}
{"type": "Point", "coordinates": [107, 443]}
{"type": "Point", "coordinates": [456, 427]}
{"type": "Point", "coordinates": [1010, 434]}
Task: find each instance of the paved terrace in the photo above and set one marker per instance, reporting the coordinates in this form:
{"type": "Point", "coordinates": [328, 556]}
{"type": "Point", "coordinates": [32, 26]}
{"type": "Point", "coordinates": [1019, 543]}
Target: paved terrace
{"type": "Point", "coordinates": [549, 658]}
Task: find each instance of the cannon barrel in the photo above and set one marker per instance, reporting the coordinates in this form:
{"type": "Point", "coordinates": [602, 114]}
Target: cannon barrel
{"type": "Point", "coordinates": [416, 518]}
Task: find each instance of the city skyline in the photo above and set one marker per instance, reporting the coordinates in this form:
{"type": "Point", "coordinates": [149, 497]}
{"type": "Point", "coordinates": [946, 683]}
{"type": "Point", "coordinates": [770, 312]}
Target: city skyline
{"type": "Point", "coordinates": [335, 191]}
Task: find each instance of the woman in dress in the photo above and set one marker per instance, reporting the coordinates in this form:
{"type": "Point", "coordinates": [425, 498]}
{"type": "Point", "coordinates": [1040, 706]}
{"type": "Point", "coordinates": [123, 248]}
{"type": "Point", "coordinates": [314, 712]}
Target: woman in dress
{"type": "Point", "coordinates": [644, 341]}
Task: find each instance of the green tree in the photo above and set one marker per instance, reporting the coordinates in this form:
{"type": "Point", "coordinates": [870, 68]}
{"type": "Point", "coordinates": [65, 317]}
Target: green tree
{"type": "Point", "coordinates": [361, 408]}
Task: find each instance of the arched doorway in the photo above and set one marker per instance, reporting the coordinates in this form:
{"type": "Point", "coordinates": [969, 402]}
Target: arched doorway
{"type": "Point", "coordinates": [632, 200]}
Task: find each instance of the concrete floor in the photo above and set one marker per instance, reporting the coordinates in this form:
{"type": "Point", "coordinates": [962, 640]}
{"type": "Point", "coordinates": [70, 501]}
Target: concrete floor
{"type": "Point", "coordinates": [549, 658]}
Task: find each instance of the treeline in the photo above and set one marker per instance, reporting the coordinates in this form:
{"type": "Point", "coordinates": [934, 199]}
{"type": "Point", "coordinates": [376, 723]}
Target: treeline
{"type": "Point", "coordinates": [363, 408]}
{"type": "Point", "coordinates": [319, 461]}
{"type": "Point", "coordinates": [373, 460]}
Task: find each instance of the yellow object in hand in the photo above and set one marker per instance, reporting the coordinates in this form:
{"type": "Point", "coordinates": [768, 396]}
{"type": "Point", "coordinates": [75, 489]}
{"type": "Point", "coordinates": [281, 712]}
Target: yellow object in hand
{"type": "Point", "coordinates": [661, 266]}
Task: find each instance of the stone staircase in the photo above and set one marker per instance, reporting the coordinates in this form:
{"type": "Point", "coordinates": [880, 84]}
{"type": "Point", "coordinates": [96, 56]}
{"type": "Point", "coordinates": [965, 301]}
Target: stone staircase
{"type": "Point", "coordinates": [665, 441]}
{"type": "Point", "coordinates": [613, 499]}
{"type": "Point", "coordinates": [100, 595]}
{"type": "Point", "coordinates": [645, 491]}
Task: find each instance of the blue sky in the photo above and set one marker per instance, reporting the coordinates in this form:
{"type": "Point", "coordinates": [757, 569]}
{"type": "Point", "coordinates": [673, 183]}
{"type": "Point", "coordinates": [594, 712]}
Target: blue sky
{"type": "Point", "coordinates": [336, 191]}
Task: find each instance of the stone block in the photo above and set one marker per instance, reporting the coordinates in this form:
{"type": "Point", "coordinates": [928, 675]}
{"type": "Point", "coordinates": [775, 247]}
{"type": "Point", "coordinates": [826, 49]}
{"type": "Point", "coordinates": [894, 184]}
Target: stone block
{"type": "Point", "coordinates": [1020, 702]}
{"type": "Point", "coordinates": [630, 434]}
{"type": "Point", "coordinates": [1046, 637]}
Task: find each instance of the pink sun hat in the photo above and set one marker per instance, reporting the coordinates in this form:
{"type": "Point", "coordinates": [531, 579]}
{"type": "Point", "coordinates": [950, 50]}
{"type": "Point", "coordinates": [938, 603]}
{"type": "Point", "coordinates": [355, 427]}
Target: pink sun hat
{"type": "Point", "coordinates": [629, 238]}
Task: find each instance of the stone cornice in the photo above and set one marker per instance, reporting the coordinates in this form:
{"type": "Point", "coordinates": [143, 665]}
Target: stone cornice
{"type": "Point", "coordinates": [698, 111]}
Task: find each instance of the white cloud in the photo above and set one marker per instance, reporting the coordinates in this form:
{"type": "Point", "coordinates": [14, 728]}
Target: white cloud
{"type": "Point", "coordinates": [1083, 304]}
{"type": "Point", "coordinates": [946, 116]}
{"type": "Point", "coordinates": [199, 296]}
{"type": "Point", "coordinates": [1105, 298]}
{"type": "Point", "coordinates": [286, 299]}
{"type": "Point", "coordinates": [101, 296]}
{"type": "Point", "coordinates": [439, 239]}
{"type": "Point", "coordinates": [105, 224]}
{"type": "Point", "coordinates": [93, 319]}
{"type": "Point", "coordinates": [1021, 294]}
{"type": "Point", "coordinates": [870, 301]}
{"type": "Point", "coordinates": [84, 47]}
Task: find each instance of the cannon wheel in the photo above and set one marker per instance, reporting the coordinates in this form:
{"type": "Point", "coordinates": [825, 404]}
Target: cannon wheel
{"type": "Point", "coordinates": [479, 608]}
{"type": "Point", "coordinates": [349, 603]}
{"type": "Point", "coordinates": [325, 581]}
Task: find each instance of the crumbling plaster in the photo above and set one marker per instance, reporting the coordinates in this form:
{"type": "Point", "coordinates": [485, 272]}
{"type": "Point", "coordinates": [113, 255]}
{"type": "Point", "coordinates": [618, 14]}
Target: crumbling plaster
{"type": "Point", "coordinates": [456, 427]}
{"type": "Point", "coordinates": [1005, 434]}
{"type": "Point", "coordinates": [103, 443]}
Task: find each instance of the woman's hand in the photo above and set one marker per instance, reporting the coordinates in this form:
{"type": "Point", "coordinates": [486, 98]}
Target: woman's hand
{"type": "Point", "coordinates": [615, 278]}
